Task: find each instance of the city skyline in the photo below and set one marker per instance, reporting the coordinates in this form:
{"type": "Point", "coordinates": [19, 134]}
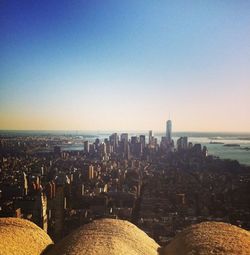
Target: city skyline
{"type": "Point", "coordinates": [112, 65]}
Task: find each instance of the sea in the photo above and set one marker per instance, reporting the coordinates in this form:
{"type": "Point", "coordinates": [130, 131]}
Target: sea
{"type": "Point", "coordinates": [235, 146]}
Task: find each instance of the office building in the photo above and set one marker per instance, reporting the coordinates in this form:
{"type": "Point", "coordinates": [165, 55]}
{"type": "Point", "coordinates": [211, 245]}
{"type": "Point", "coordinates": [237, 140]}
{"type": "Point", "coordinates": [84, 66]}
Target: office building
{"type": "Point", "coordinates": [150, 137]}
{"type": "Point", "coordinates": [169, 130]}
{"type": "Point", "coordinates": [86, 146]}
{"type": "Point", "coordinates": [182, 143]}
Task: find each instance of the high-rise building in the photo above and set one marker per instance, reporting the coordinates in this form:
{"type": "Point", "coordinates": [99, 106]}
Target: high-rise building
{"type": "Point", "coordinates": [40, 211]}
{"type": "Point", "coordinates": [109, 148]}
{"type": "Point", "coordinates": [91, 173]}
{"type": "Point", "coordinates": [124, 137]}
{"type": "Point", "coordinates": [134, 139]}
{"type": "Point", "coordinates": [114, 139]}
{"type": "Point", "coordinates": [24, 184]}
{"type": "Point", "coordinates": [150, 137]}
{"type": "Point", "coordinates": [169, 130]}
{"type": "Point", "coordinates": [103, 149]}
{"type": "Point", "coordinates": [86, 146]}
{"type": "Point", "coordinates": [143, 141]}
{"type": "Point", "coordinates": [59, 207]}
{"type": "Point", "coordinates": [182, 143]}
{"type": "Point", "coordinates": [124, 145]}
{"type": "Point", "coordinates": [137, 150]}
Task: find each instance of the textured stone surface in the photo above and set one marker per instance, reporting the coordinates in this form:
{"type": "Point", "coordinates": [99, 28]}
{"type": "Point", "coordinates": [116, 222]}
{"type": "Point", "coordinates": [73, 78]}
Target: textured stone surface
{"type": "Point", "coordinates": [22, 237]}
{"type": "Point", "coordinates": [109, 237]}
{"type": "Point", "coordinates": [210, 238]}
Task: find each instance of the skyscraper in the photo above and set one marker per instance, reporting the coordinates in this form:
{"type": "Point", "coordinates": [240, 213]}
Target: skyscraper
{"type": "Point", "coordinates": [150, 137]}
{"type": "Point", "coordinates": [124, 137]}
{"type": "Point", "coordinates": [114, 139]}
{"type": "Point", "coordinates": [91, 172]}
{"type": "Point", "coordinates": [169, 130]}
{"type": "Point", "coordinates": [143, 141]}
{"type": "Point", "coordinates": [182, 143]}
{"type": "Point", "coordinates": [86, 146]}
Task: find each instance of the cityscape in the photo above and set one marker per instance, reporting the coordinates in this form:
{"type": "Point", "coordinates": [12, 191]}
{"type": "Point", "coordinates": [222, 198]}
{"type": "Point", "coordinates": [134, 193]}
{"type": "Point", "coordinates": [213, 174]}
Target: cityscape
{"type": "Point", "coordinates": [124, 127]}
{"type": "Point", "coordinates": [159, 186]}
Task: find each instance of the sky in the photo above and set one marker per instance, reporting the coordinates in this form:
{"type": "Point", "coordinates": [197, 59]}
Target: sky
{"type": "Point", "coordinates": [125, 65]}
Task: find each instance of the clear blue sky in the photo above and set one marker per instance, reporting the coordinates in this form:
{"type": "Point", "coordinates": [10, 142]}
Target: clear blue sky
{"type": "Point", "coordinates": [125, 65]}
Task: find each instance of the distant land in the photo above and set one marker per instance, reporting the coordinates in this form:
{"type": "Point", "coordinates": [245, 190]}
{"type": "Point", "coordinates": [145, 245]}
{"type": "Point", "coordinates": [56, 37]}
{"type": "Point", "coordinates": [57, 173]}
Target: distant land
{"type": "Point", "coordinates": [218, 143]}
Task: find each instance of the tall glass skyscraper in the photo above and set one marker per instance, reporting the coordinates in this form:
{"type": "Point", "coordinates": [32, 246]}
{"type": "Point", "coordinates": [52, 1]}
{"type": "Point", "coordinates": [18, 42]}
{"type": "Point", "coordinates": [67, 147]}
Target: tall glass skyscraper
{"type": "Point", "coordinates": [169, 130]}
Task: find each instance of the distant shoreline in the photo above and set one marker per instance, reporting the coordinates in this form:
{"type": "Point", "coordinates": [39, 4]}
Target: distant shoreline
{"type": "Point", "coordinates": [187, 133]}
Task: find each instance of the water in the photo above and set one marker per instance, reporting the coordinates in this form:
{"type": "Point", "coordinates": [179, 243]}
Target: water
{"type": "Point", "coordinates": [239, 153]}
{"type": "Point", "coordinates": [224, 152]}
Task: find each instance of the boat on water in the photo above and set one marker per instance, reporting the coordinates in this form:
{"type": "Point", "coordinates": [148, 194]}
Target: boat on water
{"type": "Point", "coordinates": [212, 142]}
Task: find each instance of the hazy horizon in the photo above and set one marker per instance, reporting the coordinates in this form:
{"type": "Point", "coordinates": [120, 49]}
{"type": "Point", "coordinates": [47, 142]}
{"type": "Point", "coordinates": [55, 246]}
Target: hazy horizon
{"type": "Point", "coordinates": [121, 65]}
{"type": "Point", "coordinates": [121, 131]}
